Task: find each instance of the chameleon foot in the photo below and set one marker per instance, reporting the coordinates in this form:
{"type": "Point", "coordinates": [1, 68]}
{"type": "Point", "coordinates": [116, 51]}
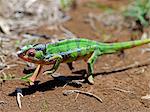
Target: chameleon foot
{"type": "Point", "coordinates": [91, 79]}
{"type": "Point", "coordinates": [28, 79]}
{"type": "Point", "coordinates": [31, 82]}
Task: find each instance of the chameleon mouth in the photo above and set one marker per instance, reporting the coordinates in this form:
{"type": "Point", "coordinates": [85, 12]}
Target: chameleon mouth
{"type": "Point", "coordinates": [25, 58]}
{"type": "Point", "coordinates": [22, 56]}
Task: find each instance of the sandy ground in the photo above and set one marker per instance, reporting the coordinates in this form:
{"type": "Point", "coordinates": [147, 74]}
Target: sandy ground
{"type": "Point", "coordinates": [120, 91]}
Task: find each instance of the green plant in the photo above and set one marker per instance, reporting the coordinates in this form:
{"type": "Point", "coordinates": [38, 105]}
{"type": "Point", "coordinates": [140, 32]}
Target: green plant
{"type": "Point", "coordinates": [66, 4]}
{"type": "Point", "coordinates": [140, 11]}
{"type": "Point", "coordinates": [5, 77]}
{"type": "Point", "coordinates": [94, 4]}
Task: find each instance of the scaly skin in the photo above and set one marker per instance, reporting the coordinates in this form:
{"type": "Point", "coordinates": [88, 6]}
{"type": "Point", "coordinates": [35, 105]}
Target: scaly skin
{"type": "Point", "coordinates": [69, 50]}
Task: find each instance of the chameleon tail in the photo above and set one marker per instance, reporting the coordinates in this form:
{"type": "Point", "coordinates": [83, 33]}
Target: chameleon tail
{"type": "Point", "coordinates": [114, 47]}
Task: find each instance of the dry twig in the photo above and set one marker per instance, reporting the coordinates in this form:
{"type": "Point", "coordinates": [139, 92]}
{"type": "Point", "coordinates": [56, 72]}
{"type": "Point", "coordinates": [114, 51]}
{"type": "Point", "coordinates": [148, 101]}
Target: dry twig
{"type": "Point", "coordinates": [147, 97]}
{"type": "Point", "coordinates": [121, 90]}
{"type": "Point", "coordinates": [67, 92]}
{"type": "Point", "coordinates": [2, 102]}
{"type": "Point", "coordinates": [19, 95]}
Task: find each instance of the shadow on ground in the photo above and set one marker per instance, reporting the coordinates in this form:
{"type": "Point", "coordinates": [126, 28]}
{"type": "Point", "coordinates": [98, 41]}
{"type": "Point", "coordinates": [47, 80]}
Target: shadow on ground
{"type": "Point", "coordinates": [61, 81]}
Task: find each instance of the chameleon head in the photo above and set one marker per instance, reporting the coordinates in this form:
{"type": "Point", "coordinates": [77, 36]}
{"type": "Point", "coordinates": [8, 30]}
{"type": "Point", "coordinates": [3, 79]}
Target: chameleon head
{"type": "Point", "coordinates": [32, 53]}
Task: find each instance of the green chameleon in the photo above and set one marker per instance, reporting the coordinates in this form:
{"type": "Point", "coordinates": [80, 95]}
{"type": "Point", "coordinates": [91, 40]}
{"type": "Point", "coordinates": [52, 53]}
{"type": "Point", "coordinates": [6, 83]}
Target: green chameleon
{"type": "Point", "coordinates": [69, 50]}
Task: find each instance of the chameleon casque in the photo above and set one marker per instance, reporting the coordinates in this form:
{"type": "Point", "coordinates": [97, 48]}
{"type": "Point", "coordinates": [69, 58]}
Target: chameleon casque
{"type": "Point", "coordinates": [69, 50]}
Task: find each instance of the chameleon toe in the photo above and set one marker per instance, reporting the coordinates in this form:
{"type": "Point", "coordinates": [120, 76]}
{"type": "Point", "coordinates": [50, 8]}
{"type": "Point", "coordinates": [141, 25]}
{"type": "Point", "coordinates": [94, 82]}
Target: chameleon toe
{"type": "Point", "coordinates": [31, 83]}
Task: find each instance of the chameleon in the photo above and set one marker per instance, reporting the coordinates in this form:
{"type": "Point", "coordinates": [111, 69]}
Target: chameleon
{"type": "Point", "coordinates": [69, 50]}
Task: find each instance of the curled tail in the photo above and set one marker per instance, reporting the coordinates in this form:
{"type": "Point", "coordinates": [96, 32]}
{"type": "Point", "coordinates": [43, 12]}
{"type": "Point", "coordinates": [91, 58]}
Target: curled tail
{"type": "Point", "coordinates": [114, 47]}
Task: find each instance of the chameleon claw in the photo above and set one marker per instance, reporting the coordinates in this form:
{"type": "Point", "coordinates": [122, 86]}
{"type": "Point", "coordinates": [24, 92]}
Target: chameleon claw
{"type": "Point", "coordinates": [91, 79]}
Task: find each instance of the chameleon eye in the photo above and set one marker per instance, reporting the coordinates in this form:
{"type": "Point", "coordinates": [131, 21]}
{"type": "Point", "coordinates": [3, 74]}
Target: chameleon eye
{"type": "Point", "coordinates": [31, 53]}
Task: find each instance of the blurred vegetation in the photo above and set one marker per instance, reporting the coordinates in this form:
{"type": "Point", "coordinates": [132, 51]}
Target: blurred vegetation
{"type": "Point", "coordinates": [94, 4]}
{"type": "Point", "coordinates": [66, 4]}
{"type": "Point", "coordinates": [140, 11]}
{"type": "Point", "coordinates": [5, 77]}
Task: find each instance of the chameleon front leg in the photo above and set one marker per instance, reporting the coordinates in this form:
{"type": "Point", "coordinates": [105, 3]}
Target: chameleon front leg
{"type": "Point", "coordinates": [35, 74]}
{"type": "Point", "coordinates": [58, 59]}
{"type": "Point", "coordinates": [90, 63]}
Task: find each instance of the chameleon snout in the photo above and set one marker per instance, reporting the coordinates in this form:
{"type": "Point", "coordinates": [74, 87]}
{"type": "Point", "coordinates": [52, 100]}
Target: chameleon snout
{"type": "Point", "coordinates": [19, 53]}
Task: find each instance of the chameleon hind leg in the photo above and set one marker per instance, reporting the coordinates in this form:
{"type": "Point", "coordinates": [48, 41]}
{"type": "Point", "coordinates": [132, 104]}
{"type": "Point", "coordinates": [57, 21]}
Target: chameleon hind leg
{"type": "Point", "coordinates": [58, 59]}
{"type": "Point", "coordinates": [90, 63]}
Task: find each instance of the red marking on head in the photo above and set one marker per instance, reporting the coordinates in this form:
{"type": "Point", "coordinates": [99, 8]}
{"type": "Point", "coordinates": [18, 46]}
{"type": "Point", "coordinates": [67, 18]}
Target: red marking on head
{"type": "Point", "coordinates": [28, 55]}
{"type": "Point", "coordinates": [31, 52]}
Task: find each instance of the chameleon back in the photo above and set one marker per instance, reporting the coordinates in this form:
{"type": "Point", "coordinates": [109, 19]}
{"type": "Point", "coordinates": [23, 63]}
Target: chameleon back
{"type": "Point", "coordinates": [72, 49]}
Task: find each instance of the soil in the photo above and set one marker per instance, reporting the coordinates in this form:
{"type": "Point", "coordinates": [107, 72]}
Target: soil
{"type": "Point", "coordinates": [120, 91]}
